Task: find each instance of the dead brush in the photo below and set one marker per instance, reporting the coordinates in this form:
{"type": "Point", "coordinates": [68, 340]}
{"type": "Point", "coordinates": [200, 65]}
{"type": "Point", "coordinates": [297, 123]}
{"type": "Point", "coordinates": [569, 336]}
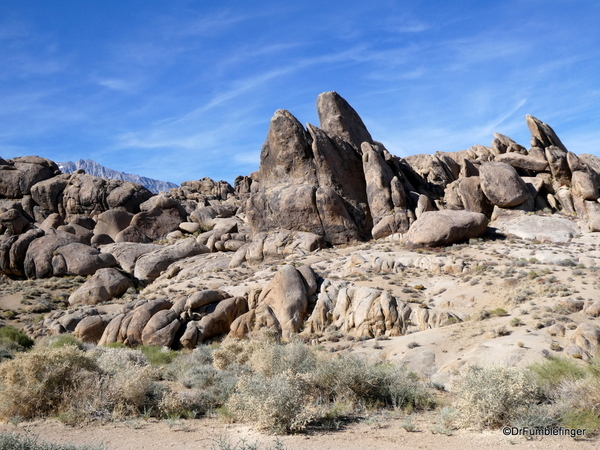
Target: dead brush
{"type": "Point", "coordinates": [44, 381]}
{"type": "Point", "coordinates": [489, 397]}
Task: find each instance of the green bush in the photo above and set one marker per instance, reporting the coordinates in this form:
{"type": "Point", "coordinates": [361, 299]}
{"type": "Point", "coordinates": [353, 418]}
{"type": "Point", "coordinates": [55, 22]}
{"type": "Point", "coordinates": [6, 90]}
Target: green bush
{"type": "Point", "coordinates": [10, 334]}
{"type": "Point", "coordinates": [158, 356]}
{"type": "Point", "coordinates": [63, 340]}
{"type": "Point", "coordinates": [552, 372]}
{"type": "Point", "coordinates": [10, 441]}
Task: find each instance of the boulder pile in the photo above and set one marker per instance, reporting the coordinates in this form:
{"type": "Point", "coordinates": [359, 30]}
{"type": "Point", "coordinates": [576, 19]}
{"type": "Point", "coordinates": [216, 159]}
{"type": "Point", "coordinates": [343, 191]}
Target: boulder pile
{"type": "Point", "coordinates": [316, 187]}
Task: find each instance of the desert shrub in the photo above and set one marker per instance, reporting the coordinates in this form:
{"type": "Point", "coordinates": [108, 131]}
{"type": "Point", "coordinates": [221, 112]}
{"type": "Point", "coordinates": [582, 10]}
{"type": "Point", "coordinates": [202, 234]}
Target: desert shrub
{"type": "Point", "coordinates": [45, 381]}
{"type": "Point", "coordinates": [354, 379]}
{"type": "Point", "coordinates": [500, 312]}
{"type": "Point", "coordinates": [587, 420]}
{"type": "Point", "coordinates": [5, 354]}
{"type": "Point", "coordinates": [73, 385]}
{"type": "Point", "coordinates": [236, 352]}
{"type": "Point", "coordinates": [494, 396]}
{"type": "Point", "coordinates": [112, 360]}
{"type": "Point", "coordinates": [581, 395]}
{"type": "Point", "coordinates": [158, 356]}
{"type": "Point", "coordinates": [12, 335]}
{"type": "Point", "coordinates": [553, 371]}
{"type": "Point", "coordinates": [206, 387]}
{"type": "Point", "coordinates": [63, 340]}
{"type": "Point", "coordinates": [296, 358]}
{"type": "Point", "coordinates": [130, 391]}
{"type": "Point", "coordinates": [200, 356]}
{"type": "Point", "coordinates": [10, 441]}
{"type": "Point", "coordinates": [278, 404]}
{"type": "Point", "coordinates": [212, 385]}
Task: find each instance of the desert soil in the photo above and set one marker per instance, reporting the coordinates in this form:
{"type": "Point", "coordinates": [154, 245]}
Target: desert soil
{"type": "Point", "coordinates": [378, 433]}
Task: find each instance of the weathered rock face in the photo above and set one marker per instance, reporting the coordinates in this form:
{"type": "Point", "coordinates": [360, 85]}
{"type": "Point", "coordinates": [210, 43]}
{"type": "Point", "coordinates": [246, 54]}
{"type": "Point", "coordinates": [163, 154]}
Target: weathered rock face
{"type": "Point", "coordinates": [542, 135]}
{"type": "Point", "coordinates": [378, 178]}
{"type": "Point", "coordinates": [502, 184]}
{"type": "Point", "coordinates": [435, 228]}
{"type": "Point", "coordinates": [559, 165]}
{"type": "Point", "coordinates": [48, 194]}
{"type": "Point", "coordinates": [587, 337]}
{"type": "Point", "coordinates": [220, 319]}
{"type": "Point", "coordinates": [553, 229]}
{"type": "Point", "coordinates": [260, 318]}
{"type": "Point", "coordinates": [388, 225]}
{"type": "Point", "coordinates": [38, 259]}
{"type": "Point", "coordinates": [90, 329]}
{"type": "Point", "coordinates": [18, 175]}
{"type": "Point", "coordinates": [339, 168]}
{"type": "Point", "coordinates": [205, 188]}
{"type": "Point", "coordinates": [282, 304]}
{"type": "Point", "coordinates": [126, 253]}
{"type": "Point", "coordinates": [466, 193]}
{"type": "Point", "coordinates": [164, 217]}
{"type": "Point", "coordinates": [90, 196]}
{"type": "Point", "coordinates": [277, 244]}
{"type": "Point", "coordinates": [140, 318]}
{"type": "Point", "coordinates": [161, 328]}
{"type": "Point", "coordinates": [338, 118]}
{"type": "Point", "coordinates": [287, 297]}
{"type": "Point", "coordinates": [79, 259]}
{"type": "Point", "coordinates": [285, 157]}
{"type": "Point", "coordinates": [149, 265]}
{"type": "Point", "coordinates": [105, 285]}
{"type": "Point", "coordinates": [312, 180]}
{"type": "Point", "coordinates": [129, 196]}
{"type": "Point", "coordinates": [523, 162]}
{"type": "Point", "coordinates": [290, 207]}
{"type": "Point", "coordinates": [12, 222]}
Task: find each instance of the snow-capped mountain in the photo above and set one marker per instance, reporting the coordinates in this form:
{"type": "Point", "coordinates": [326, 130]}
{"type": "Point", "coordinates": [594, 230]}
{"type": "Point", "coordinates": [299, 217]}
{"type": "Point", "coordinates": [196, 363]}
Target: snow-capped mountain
{"type": "Point", "coordinates": [93, 168]}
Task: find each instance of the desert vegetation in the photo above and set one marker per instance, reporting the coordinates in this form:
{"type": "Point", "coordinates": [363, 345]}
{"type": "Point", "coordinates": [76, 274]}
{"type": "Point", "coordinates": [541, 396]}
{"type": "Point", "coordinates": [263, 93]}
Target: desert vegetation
{"type": "Point", "coordinates": [278, 387]}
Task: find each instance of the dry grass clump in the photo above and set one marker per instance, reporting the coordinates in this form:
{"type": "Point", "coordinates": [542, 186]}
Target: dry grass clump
{"type": "Point", "coordinates": [74, 385]}
{"type": "Point", "coordinates": [237, 352]}
{"type": "Point", "coordinates": [574, 388]}
{"type": "Point", "coordinates": [278, 404]}
{"type": "Point", "coordinates": [10, 441]}
{"type": "Point", "coordinates": [131, 391]}
{"type": "Point", "coordinates": [205, 387]}
{"type": "Point", "coordinates": [490, 397]}
{"type": "Point", "coordinates": [44, 381]}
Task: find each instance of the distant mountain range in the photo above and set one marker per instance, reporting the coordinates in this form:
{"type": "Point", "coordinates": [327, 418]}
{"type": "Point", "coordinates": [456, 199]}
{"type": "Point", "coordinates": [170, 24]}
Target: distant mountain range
{"type": "Point", "coordinates": [93, 168]}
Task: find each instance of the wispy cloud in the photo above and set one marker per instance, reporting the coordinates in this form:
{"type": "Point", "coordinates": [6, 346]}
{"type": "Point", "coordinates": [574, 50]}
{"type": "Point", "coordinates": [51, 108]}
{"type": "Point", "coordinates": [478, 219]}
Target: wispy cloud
{"type": "Point", "coordinates": [404, 25]}
{"type": "Point", "coordinates": [119, 84]}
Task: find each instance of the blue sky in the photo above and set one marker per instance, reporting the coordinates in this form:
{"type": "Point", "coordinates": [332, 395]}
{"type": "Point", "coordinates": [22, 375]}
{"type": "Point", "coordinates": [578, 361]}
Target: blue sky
{"type": "Point", "coordinates": [178, 90]}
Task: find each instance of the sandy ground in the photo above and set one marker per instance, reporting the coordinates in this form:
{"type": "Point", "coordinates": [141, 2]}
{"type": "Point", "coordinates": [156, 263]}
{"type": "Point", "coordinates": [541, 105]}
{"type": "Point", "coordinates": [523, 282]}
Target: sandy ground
{"type": "Point", "coordinates": [381, 434]}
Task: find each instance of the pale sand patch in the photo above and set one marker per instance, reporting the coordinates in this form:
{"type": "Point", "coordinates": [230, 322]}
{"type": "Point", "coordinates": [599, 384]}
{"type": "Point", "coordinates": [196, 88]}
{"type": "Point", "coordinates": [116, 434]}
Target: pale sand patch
{"type": "Point", "coordinates": [203, 434]}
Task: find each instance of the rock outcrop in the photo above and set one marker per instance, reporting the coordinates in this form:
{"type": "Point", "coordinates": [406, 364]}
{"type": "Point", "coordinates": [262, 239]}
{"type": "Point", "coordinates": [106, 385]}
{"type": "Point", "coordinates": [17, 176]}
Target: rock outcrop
{"type": "Point", "coordinates": [435, 228]}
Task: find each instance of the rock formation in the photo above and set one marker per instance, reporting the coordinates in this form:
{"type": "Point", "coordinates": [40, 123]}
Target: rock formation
{"type": "Point", "coordinates": [316, 187]}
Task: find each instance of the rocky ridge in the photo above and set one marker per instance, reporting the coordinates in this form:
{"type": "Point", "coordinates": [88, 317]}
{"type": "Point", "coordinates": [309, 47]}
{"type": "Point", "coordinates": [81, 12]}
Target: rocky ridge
{"type": "Point", "coordinates": [184, 258]}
